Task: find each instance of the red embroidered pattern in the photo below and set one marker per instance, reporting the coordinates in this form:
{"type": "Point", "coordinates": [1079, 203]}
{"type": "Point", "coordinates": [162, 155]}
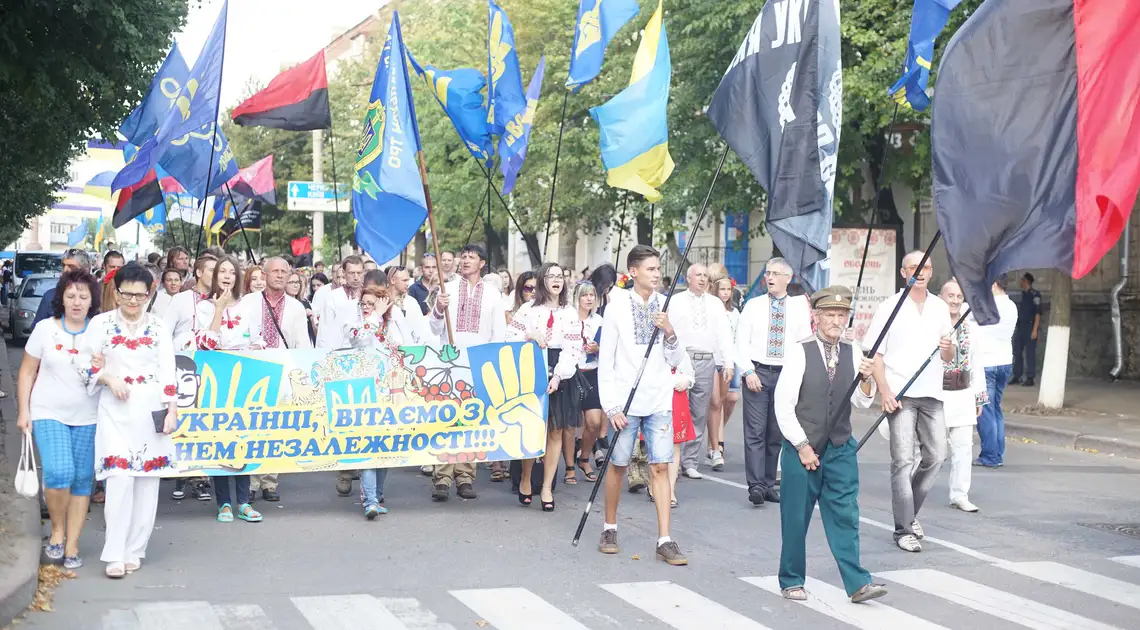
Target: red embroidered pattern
{"type": "Point", "coordinates": [112, 462]}
{"type": "Point", "coordinates": [170, 390]}
{"type": "Point", "coordinates": [470, 309]}
{"type": "Point", "coordinates": [271, 318]}
{"type": "Point", "coordinates": [158, 463]}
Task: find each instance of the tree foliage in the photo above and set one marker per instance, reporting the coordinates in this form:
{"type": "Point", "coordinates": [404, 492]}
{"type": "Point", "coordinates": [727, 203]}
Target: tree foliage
{"type": "Point", "coordinates": [69, 70]}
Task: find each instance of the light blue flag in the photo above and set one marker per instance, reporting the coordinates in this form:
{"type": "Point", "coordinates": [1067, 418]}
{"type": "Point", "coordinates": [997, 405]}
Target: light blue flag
{"type": "Point", "coordinates": [504, 115]}
{"type": "Point", "coordinates": [513, 163]}
{"type": "Point", "coordinates": [459, 92]}
{"type": "Point", "coordinates": [143, 122]}
{"type": "Point", "coordinates": [926, 22]}
{"type": "Point", "coordinates": [387, 192]}
{"type": "Point", "coordinates": [183, 142]}
{"type": "Point", "coordinates": [598, 22]}
{"type": "Point", "coordinates": [77, 234]}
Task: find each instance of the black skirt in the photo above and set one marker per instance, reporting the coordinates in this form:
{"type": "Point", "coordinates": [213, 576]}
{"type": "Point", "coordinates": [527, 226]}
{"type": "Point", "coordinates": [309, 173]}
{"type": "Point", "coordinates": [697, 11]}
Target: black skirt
{"type": "Point", "coordinates": [564, 410]}
{"type": "Point", "coordinates": [590, 400]}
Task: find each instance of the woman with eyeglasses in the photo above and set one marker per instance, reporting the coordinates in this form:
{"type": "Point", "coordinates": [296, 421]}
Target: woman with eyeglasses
{"type": "Point", "coordinates": [373, 329]}
{"type": "Point", "coordinates": [525, 287]}
{"type": "Point", "coordinates": [55, 407]}
{"type": "Point", "coordinates": [547, 321]}
{"type": "Point", "coordinates": [225, 326]}
{"type": "Point", "coordinates": [132, 371]}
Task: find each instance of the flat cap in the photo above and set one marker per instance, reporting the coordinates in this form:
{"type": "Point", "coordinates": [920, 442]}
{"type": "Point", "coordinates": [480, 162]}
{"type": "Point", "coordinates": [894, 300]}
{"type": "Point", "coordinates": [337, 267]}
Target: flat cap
{"type": "Point", "coordinates": [835, 296]}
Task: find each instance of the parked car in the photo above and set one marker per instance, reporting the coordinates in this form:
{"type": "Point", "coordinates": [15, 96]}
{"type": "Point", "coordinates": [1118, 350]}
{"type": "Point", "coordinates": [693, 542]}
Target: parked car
{"type": "Point", "coordinates": [22, 310]}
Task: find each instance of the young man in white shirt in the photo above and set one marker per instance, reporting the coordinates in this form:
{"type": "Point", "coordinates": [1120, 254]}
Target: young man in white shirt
{"type": "Point", "coordinates": [180, 314]}
{"type": "Point", "coordinates": [768, 326]}
{"type": "Point", "coordinates": [475, 309]}
{"type": "Point", "coordinates": [336, 279]}
{"type": "Point", "coordinates": [995, 354]}
{"type": "Point", "coordinates": [417, 333]}
{"type": "Point", "coordinates": [922, 325]}
{"type": "Point", "coordinates": [339, 304]}
{"type": "Point", "coordinates": [700, 320]}
{"type": "Point", "coordinates": [627, 327]}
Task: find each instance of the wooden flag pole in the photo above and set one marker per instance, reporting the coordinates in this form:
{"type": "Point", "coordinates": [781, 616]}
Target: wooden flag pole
{"type": "Point", "coordinates": [434, 240]}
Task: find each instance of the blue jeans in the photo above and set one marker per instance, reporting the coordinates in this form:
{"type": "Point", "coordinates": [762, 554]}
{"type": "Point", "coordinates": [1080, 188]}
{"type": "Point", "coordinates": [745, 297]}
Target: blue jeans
{"type": "Point", "coordinates": [991, 424]}
{"type": "Point", "coordinates": [657, 430]}
{"type": "Point", "coordinates": [222, 490]}
{"type": "Point", "coordinates": [372, 485]}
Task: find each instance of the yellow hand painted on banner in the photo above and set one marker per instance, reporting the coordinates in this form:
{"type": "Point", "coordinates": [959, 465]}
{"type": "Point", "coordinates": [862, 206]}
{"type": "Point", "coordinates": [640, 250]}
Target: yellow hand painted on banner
{"type": "Point", "coordinates": [515, 410]}
{"type": "Point", "coordinates": [589, 29]}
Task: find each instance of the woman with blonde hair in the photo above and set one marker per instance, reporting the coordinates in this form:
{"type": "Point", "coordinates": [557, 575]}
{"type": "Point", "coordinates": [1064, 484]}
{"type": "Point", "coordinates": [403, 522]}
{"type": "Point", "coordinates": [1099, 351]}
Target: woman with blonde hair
{"type": "Point", "coordinates": [724, 398]}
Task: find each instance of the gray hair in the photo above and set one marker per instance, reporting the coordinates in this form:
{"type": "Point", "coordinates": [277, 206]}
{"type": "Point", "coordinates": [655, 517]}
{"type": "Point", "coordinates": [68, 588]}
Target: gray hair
{"type": "Point", "coordinates": [265, 263]}
{"type": "Point", "coordinates": [780, 262]}
{"type": "Point", "coordinates": [80, 257]}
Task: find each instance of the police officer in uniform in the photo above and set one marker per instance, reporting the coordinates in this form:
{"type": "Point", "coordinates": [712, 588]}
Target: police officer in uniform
{"type": "Point", "coordinates": [819, 453]}
{"type": "Point", "coordinates": [1025, 335]}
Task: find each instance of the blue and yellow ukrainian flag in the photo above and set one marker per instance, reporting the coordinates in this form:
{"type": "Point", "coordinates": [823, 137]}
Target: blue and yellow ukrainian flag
{"type": "Point", "coordinates": [926, 22]}
{"type": "Point", "coordinates": [633, 125]}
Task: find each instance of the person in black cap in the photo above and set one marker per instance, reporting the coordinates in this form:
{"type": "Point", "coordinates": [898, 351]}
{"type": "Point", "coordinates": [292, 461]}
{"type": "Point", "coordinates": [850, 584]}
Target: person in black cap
{"type": "Point", "coordinates": [819, 454]}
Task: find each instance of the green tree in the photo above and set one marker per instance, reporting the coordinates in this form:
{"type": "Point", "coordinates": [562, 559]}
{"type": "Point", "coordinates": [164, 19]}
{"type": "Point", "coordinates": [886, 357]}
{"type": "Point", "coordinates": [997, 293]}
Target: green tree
{"type": "Point", "coordinates": [69, 70]}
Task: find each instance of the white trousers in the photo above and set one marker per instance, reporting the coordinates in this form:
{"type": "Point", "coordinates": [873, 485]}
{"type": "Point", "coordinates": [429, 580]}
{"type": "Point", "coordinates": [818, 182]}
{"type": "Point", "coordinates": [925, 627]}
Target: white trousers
{"type": "Point", "coordinates": [132, 503]}
{"type": "Point", "coordinates": [961, 460]}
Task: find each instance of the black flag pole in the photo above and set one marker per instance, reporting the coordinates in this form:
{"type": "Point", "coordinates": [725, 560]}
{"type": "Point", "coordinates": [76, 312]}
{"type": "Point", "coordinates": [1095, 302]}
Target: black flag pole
{"type": "Point", "coordinates": [914, 378]}
{"type": "Point", "coordinates": [874, 212]}
{"type": "Point", "coordinates": [253, 259]}
{"type": "Point", "coordinates": [336, 191]}
{"type": "Point", "coordinates": [648, 350]}
{"type": "Point", "coordinates": [478, 215]}
{"type": "Point", "coordinates": [533, 252]}
{"type": "Point", "coordinates": [554, 177]}
{"type": "Point", "coordinates": [621, 229]}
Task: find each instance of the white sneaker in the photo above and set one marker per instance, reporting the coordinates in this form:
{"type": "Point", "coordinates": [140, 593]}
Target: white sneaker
{"type": "Point", "coordinates": [909, 543]}
{"type": "Point", "coordinates": [917, 529]}
{"type": "Point", "coordinates": [693, 473]}
{"type": "Point", "coordinates": [964, 505]}
{"type": "Point", "coordinates": [709, 458]}
{"type": "Point", "coordinates": [717, 461]}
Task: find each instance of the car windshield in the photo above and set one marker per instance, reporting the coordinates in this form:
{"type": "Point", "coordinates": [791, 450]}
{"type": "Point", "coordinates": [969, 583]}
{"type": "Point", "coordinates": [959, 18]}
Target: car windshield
{"type": "Point", "coordinates": [37, 287]}
{"type": "Point", "coordinates": [29, 264]}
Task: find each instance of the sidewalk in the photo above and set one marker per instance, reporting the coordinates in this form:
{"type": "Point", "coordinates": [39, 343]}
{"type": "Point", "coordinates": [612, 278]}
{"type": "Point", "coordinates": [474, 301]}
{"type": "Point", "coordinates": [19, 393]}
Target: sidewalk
{"type": "Point", "coordinates": [20, 526]}
{"type": "Point", "coordinates": [1099, 416]}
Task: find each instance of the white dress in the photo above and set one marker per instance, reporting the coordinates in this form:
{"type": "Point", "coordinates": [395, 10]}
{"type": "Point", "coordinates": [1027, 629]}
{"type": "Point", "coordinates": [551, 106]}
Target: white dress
{"type": "Point", "coordinates": [372, 332]}
{"type": "Point", "coordinates": [126, 442]}
{"type": "Point", "coordinates": [234, 332]}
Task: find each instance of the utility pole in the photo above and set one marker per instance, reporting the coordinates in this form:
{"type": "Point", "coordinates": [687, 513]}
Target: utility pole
{"type": "Point", "coordinates": [318, 217]}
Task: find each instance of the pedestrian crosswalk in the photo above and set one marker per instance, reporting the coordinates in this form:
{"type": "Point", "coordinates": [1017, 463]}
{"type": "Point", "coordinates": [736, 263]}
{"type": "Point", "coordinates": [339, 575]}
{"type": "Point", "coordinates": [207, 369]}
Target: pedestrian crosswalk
{"type": "Point", "coordinates": [1096, 602]}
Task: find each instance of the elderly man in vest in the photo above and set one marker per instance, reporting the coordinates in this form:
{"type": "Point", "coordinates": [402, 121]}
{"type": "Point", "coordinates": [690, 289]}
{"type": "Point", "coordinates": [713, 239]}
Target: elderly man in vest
{"type": "Point", "coordinates": [818, 458]}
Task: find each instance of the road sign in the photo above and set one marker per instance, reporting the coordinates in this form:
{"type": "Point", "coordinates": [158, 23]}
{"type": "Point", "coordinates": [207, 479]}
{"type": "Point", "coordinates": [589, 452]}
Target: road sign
{"type": "Point", "coordinates": [317, 197]}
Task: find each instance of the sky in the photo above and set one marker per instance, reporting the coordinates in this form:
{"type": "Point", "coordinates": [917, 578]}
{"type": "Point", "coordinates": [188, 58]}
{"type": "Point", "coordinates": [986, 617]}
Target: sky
{"type": "Point", "coordinates": [265, 35]}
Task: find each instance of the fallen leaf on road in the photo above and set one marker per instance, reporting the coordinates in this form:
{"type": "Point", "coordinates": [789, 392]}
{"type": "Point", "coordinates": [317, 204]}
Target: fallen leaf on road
{"type": "Point", "coordinates": [482, 623]}
{"type": "Point", "coordinates": [50, 577]}
{"type": "Point", "coordinates": [636, 557]}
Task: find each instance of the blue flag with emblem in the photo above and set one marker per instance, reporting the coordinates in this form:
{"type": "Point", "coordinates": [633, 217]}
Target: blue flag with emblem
{"type": "Point", "coordinates": [598, 22]}
{"type": "Point", "coordinates": [459, 93]}
{"type": "Point", "coordinates": [186, 138]}
{"type": "Point", "coordinates": [512, 164]}
{"type": "Point", "coordinates": [387, 192]}
{"type": "Point", "coordinates": [143, 121]}
{"type": "Point", "coordinates": [77, 233]}
{"type": "Point", "coordinates": [507, 101]}
{"type": "Point", "coordinates": [926, 22]}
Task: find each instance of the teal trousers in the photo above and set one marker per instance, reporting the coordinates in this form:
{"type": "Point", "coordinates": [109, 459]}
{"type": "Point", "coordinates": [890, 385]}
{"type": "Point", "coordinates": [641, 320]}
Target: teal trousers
{"type": "Point", "coordinates": [835, 486]}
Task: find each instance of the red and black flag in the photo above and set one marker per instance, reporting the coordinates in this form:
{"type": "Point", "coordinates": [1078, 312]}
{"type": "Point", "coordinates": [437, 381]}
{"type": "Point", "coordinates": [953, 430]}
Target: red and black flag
{"type": "Point", "coordinates": [295, 100]}
{"type": "Point", "coordinates": [1035, 132]}
{"type": "Point", "coordinates": [136, 199]}
{"type": "Point", "coordinates": [256, 181]}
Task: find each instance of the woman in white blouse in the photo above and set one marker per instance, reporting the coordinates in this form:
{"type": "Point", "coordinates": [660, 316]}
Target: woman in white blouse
{"type": "Point", "coordinates": [132, 369]}
{"type": "Point", "coordinates": [55, 406]}
{"type": "Point", "coordinates": [374, 329]}
{"type": "Point", "coordinates": [724, 398]}
{"type": "Point", "coordinates": [548, 321]}
{"type": "Point", "coordinates": [589, 325]}
{"type": "Point", "coordinates": [225, 326]}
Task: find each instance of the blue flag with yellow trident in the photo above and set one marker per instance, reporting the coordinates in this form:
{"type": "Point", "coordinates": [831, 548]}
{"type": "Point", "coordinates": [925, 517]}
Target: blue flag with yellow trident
{"type": "Point", "coordinates": [926, 22]}
{"type": "Point", "coordinates": [142, 123]}
{"type": "Point", "coordinates": [598, 22]}
{"type": "Point", "coordinates": [182, 144]}
{"type": "Point", "coordinates": [458, 92]}
{"type": "Point", "coordinates": [507, 102]}
{"type": "Point", "coordinates": [633, 125]}
{"type": "Point", "coordinates": [387, 192]}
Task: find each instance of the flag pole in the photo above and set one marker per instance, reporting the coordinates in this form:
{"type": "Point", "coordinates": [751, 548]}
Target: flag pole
{"type": "Point", "coordinates": [435, 239]}
{"type": "Point", "coordinates": [253, 258]}
{"type": "Point", "coordinates": [478, 215]}
{"type": "Point", "coordinates": [554, 177]}
{"type": "Point", "coordinates": [621, 228]}
{"type": "Point", "coordinates": [336, 190]}
{"type": "Point", "coordinates": [648, 350]}
{"type": "Point", "coordinates": [914, 378]}
{"type": "Point", "coordinates": [495, 189]}
{"type": "Point", "coordinates": [214, 135]}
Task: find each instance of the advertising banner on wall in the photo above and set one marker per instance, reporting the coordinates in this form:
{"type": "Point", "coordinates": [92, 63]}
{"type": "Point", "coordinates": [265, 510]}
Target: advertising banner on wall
{"type": "Point", "coordinates": [879, 280]}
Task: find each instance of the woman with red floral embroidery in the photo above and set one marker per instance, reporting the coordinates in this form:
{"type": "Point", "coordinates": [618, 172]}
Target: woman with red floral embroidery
{"type": "Point", "coordinates": [374, 329]}
{"type": "Point", "coordinates": [55, 406]}
{"type": "Point", "coordinates": [132, 369]}
{"type": "Point", "coordinates": [226, 327]}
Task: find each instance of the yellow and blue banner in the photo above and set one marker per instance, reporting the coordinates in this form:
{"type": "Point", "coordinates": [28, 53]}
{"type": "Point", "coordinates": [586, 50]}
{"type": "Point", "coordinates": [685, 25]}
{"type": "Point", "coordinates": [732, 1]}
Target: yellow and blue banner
{"type": "Point", "coordinates": [926, 22]}
{"type": "Point", "coordinates": [458, 92]}
{"type": "Point", "coordinates": [633, 124]}
{"type": "Point", "coordinates": [278, 411]}
{"type": "Point", "coordinates": [507, 103]}
{"type": "Point", "coordinates": [598, 22]}
{"type": "Point", "coordinates": [388, 200]}
{"type": "Point", "coordinates": [518, 138]}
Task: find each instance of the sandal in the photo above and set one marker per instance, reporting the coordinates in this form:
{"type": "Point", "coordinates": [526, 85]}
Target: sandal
{"type": "Point", "coordinates": [248, 514]}
{"type": "Point", "coordinates": [570, 478]}
{"type": "Point", "coordinates": [115, 570]}
{"type": "Point", "coordinates": [226, 513]}
{"type": "Point", "coordinates": [131, 567]}
{"type": "Point", "coordinates": [72, 562]}
{"type": "Point", "coordinates": [497, 475]}
{"type": "Point", "coordinates": [795, 593]}
{"type": "Point", "coordinates": [590, 475]}
{"type": "Point", "coordinates": [525, 499]}
{"type": "Point", "coordinates": [673, 503]}
{"type": "Point", "coordinates": [547, 506]}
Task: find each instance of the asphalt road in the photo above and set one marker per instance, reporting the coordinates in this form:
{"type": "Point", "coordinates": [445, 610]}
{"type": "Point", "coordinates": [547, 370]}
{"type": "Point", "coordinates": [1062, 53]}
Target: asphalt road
{"type": "Point", "coordinates": [1041, 554]}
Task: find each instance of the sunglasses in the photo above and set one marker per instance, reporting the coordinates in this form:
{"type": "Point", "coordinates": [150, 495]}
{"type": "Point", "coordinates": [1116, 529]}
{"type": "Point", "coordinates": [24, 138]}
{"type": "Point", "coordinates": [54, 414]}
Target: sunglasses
{"type": "Point", "coordinates": [528, 288]}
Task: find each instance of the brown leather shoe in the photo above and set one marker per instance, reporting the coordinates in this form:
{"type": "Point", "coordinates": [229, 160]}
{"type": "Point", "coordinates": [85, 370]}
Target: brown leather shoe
{"type": "Point", "coordinates": [440, 492]}
{"type": "Point", "coordinates": [465, 491]}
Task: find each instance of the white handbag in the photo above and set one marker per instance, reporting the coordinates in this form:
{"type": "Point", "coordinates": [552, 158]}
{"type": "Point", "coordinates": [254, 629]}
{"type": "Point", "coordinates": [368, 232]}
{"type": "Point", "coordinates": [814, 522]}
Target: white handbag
{"type": "Point", "coordinates": [27, 477]}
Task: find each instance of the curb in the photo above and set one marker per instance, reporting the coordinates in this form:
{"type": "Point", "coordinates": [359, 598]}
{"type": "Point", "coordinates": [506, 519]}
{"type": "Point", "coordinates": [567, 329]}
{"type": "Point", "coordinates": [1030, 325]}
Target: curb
{"type": "Point", "coordinates": [18, 584]}
{"type": "Point", "coordinates": [1072, 439]}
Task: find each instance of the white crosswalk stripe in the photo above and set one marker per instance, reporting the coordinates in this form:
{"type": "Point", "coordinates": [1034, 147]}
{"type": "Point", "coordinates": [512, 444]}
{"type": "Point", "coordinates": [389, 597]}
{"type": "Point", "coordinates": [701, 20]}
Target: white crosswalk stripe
{"type": "Point", "coordinates": [681, 608]}
{"type": "Point", "coordinates": [1132, 561]}
{"type": "Point", "coordinates": [834, 602]}
{"type": "Point", "coordinates": [1019, 610]}
{"type": "Point", "coordinates": [1079, 580]}
{"type": "Point", "coordinates": [336, 612]}
{"type": "Point", "coordinates": [178, 616]}
{"type": "Point", "coordinates": [516, 609]}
